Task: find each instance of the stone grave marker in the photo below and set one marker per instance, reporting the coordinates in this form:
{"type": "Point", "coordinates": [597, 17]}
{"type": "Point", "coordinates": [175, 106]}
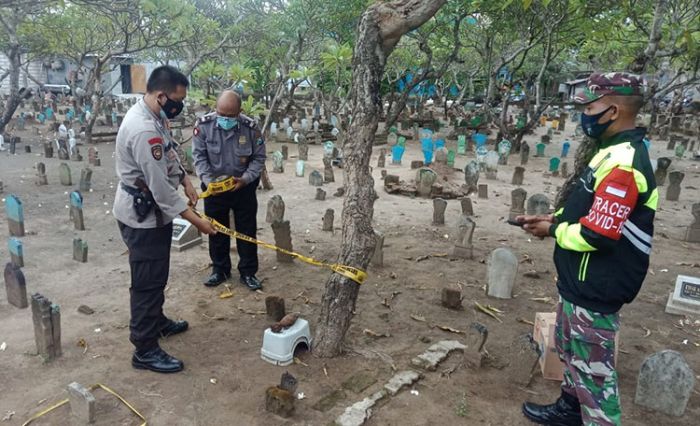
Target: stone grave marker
{"type": "Point", "coordinates": [483, 191]}
{"type": "Point", "coordinates": [14, 246]}
{"type": "Point", "coordinates": [674, 185]}
{"type": "Point", "coordinates": [378, 255]}
{"type": "Point", "coordinates": [471, 176]}
{"type": "Point", "coordinates": [462, 144]}
{"type": "Point", "coordinates": [76, 210]}
{"type": "Point", "coordinates": [41, 178]}
{"type": "Point", "coordinates": [665, 383]}
{"type": "Point", "coordinates": [692, 234]}
{"type": "Point", "coordinates": [75, 154]}
{"type": "Point", "coordinates": [518, 175]}
{"type": "Point", "coordinates": [381, 160]}
{"type": "Point", "coordinates": [283, 239]}
{"type": "Point", "coordinates": [425, 178]}
{"type": "Point", "coordinates": [439, 206]}
{"type": "Point", "coordinates": [14, 211]}
{"type": "Point", "coordinates": [565, 170]}
{"type": "Point", "coordinates": [417, 164]}
{"type": "Point", "coordinates": [315, 178]}
{"type": "Point", "coordinates": [275, 209]}
{"type": "Point", "coordinates": [540, 149]}
{"type": "Point", "coordinates": [274, 308]}
{"type": "Point", "coordinates": [467, 208]}
{"type": "Point", "coordinates": [303, 148]}
{"type": "Point", "coordinates": [504, 147]}
{"type": "Point", "coordinates": [82, 404]}
{"type": "Point", "coordinates": [450, 158]}
{"type": "Point", "coordinates": [662, 165]}
{"type": "Point", "coordinates": [328, 220]}
{"type": "Point", "coordinates": [320, 194]}
{"type": "Point", "coordinates": [524, 153]}
{"type": "Point", "coordinates": [64, 174]}
{"type": "Point", "coordinates": [565, 149]}
{"type": "Point", "coordinates": [502, 272]}
{"type": "Point", "coordinates": [328, 170]}
{"type": "Point", "coordinates": [464, 248]}
{"type": "Point", "coordinates": [554, 166]}
{"type": "Point", "coordinates": [474, 354]}
{"type": "Point", "coordinates": [86, 179]}
{"type": "Point", "coordinates": [185, 235]}
{"type": "Point", "coordinates": [451, 298]}
{"type": "Point", "coordinates": [48, 150]}
{"type": "Point", "coordinates": [277, 162]}
{"type": "Point", "coordinates": [517, 203]}
{"type": "Point", "coordinates": [15, 286]}
{"type": "Point", "coordinates": [80, 250]}
{"type": "Point", "coordinates": [299, 170]}
{"type": "Point", "coordinates": [46, 317]}
{"type": "Point", "coordinates": [538, 204]}
{"type": "Point", "coordinates": [685, 297]}
{"type": "Point", "coordinates": [93, 157]}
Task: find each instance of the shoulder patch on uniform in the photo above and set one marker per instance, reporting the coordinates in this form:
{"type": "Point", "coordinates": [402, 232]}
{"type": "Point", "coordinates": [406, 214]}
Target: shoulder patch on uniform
{"type": "Point", "coordinates": [207, 117]}
{"type": "Point", "coordinates": [157, 151]}
{"type": "Point", "coordinates": [155, 140]}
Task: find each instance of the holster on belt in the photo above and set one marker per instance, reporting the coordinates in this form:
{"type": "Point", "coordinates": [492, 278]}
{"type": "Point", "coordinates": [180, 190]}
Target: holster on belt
{"type": "Point", "coordinates": [144, 202]}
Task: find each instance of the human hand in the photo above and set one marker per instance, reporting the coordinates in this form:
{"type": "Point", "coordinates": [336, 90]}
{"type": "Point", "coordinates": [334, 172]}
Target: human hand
{"type": "Point", "coordinates": [240, 183]}
{"type": "Point", "coordinates": [535, 218]}
{"type": "Point", "coordinates": [191, 194]}
{"type": "Point", "coordinates": [539, 229]}
{"type": "Point", "coordinates": [205, 227]}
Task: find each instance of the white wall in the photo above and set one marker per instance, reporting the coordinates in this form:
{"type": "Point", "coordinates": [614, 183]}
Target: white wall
{"type": "Point", "coordinates": [35, 69]}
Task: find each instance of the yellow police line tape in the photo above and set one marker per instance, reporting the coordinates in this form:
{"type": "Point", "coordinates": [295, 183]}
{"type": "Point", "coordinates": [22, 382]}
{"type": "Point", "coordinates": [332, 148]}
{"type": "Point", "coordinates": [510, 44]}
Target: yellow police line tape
{"type": "Point", "coordinates": [93, 387]}
{"type": "Point", "coordinates": [215, 188]}
{"type": "Point", "coordinates": [354, 274]}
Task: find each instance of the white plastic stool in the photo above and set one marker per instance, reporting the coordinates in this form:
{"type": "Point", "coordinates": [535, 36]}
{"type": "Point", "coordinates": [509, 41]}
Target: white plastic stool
{"type": "Point", "coordinates": [278, 348]}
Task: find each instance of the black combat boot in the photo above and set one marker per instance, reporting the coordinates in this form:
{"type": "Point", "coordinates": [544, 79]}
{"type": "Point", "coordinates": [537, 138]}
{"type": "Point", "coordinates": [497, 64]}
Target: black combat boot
{"type": "Point", "coordinates": [566, 411]}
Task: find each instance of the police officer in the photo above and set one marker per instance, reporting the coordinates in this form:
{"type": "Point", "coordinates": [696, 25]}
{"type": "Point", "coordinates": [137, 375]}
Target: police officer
{"type": "Point", "coordinates": [603, 239]}
{"type": "Point", "coordinates": [229, 144]}
{"type": "Point", "coordinates": [146, 202]}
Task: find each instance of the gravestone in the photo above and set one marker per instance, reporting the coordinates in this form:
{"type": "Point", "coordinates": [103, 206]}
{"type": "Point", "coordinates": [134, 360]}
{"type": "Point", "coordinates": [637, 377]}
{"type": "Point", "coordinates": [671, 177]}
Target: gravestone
{"type": "Point", "coordinates": [27, 149]}
{"type": "Point", "coordinates": [462, 144]}
{"type": "Point", "coordinates": [554, 166]}
{"type": "Point", "coordinates": [86, 179]}
{"type": "Point", "coordinates": [82, 404]}
{"type": "Point", "coordinates": [75, 154]}
{"type": "Point", "coordinates": [464, 249]}
{"type": "Point", "coordinates": [15, 286]}
{"type": "Point", "coordinates": [41, 178]}
{"type": "Point", "coordinates": [14, 211]}
{"type": "Point", "coordinates": [439, 206]}
{"type": "Point", "coordinates": [665, 383]}
{"type": "Point", "coordinates": [471, 176]}
{"type": "Point", "coordinates": [378, 254]}
{"type": "Point", "coordinates": [320, 194]}
{"type": "Point", "coordinates": [674, 185]}
{"type": "Point", "coordinates": [299, 169]}
{"type": "Point", "coordinates": [328, 220]}
{"type": "Point", "coordinates": [538, 204]}
{"type": "Point", "coordinates": [381, 160]}
{"type": "Point", "coordinates": [93, 157]}
{"type": "Point", "coordinates": [475, 352]}
{"type": "Point", "coordinates": [692, 234]}
{"type": "Point", "coordinates": [540, 149]}
{"type": "Point", "coordinates": [467, 208]}
{"type": "Point", "coordinates": [504, 147]}
{"type": "Point", "coordinates": [303, 151]}
{"type": "Point", "coordinates": [277, 162]}
{"type": "Point", "coordinates": [76, 210]}
{"type": "Point", "coordinates": [523, 355]}
{"type": "Point", "coordinates": [46, 317]}
{"type": "Point", "coordinates": [315, 178]}
{"type": "Point", "coordinates": [518, 175]}
{"type": "Point", "coordinates": [417, 164]}
{"type": "Point", "coordinates": [285, 152]}
{"type": "Point", "coordinates": [502, 272]}
{"type": "Point", "coordinates": [425, 178]}
{"type": "Point", "coordinates": [564, 170]}
{"type": "Point", "coordinates": [283, 239]}
{"type": "Point", "coordinates": [15, 247]}
{"type": "Point", "coordinates": [185, 235]}
{"type": "Point", "coordinates": [517, 203]}
{"type": "Point", "coordinates": [63, 153]}
{"type": "Point", "coordinates": [275, 209]}
{"type": "Point", "coordinates": [80, 250]}
{"type": "Point", "coordinates": [451, 298]}
{"type": "Point", "coordinates": [441, 155]}
{"type": "Point", "coordinates": [524, 153]}
{"type": "Point", "coordinates": [662, 165]}
{"type": "Point", "coordinates": [565, 149]}
{"type": "Point", "coordinates": [274, 308]}
{"type": "Point", "coordinates": [48, 150]}
{"type": "Point", "coordinates": [64, 174]}
{"type": "Point", "coordinates": [483, 190]}
{"type": "Point", "coordinates": [685, 297]}
{"type": "Point", "coordinates": [328, 170]}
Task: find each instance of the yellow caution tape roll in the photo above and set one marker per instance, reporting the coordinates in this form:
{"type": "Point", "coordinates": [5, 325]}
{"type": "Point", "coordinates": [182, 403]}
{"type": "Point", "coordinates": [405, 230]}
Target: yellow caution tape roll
{"type": "Point", "coordinates": [219, 187]}
{"type": "Point", "coordinates": [349, 272]}
{"type": "Point", "coordinates": [93, 387]}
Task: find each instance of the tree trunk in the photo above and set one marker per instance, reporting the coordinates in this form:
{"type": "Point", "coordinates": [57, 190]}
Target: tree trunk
{"type": "Point", "coordinates": [13, 101]}
{"type": "Point", "coordinates": [380, 28]}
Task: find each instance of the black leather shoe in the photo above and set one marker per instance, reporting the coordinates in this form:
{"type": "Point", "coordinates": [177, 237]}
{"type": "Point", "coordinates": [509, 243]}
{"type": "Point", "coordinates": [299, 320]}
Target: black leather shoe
{"type": "Point", "coordinates": [251, 282]}
{"type": "Point", "coordinates": [216, 278]}
{"type": "Point", "coordinates": [156, 360]}
{"type": "Point", "coordinates": [566, 411]}
{"type": "Point", "coordinates": [174, 327]}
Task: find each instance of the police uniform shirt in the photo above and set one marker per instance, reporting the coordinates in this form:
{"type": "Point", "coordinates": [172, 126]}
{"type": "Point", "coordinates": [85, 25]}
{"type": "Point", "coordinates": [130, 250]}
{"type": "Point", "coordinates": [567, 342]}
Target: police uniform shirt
{"type": "Point", "coordinates": [145, 150]}
{"type": "Point", "coordinates": [238, 152]}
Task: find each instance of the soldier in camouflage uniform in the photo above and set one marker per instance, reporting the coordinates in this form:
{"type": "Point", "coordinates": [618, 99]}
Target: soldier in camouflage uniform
{"type": "Point", "coordinates": [603, 241]}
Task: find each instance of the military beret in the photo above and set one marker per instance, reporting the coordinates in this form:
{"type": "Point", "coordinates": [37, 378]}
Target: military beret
{"type": "Point", "coordinates": [611, 83]}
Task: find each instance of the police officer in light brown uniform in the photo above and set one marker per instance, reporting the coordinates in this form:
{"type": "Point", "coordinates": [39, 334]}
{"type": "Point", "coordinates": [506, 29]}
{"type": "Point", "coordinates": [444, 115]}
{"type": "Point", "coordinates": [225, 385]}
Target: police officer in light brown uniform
{"type": "Point", "coordinates": [145, 205]}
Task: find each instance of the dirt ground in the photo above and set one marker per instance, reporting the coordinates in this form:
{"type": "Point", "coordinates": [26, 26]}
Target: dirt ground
{"type": "Point", "coordinates": [224, 379]}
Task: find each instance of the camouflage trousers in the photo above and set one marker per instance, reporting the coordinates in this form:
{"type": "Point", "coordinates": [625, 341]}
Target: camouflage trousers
{"type": "Point", "coordinates": [585, 341]}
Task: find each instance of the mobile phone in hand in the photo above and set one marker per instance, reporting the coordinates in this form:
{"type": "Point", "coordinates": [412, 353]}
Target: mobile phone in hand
{"type": "Point", "coordinates": [515, 223]}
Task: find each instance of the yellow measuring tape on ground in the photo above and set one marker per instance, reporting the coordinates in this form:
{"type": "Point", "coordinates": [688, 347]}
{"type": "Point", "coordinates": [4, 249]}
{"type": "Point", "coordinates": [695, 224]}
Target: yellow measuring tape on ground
{"type": "Point", "coordinates": [93, 387]}
{"type": "Point", "coordinates": [218, 187]}
{"type": "Point", "coordinates": [354, 274]}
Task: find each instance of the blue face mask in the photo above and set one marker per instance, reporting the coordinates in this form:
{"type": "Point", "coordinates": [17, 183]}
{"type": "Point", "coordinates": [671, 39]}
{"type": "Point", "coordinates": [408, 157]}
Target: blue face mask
{"type": "Point", "coordinates": [226, 123]}
{"type": "Point", "coordinates": [591, 127]}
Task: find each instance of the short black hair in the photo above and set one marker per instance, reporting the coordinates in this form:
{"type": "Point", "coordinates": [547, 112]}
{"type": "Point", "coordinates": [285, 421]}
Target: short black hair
{"type": "Point", "coordinates": [166, 78]}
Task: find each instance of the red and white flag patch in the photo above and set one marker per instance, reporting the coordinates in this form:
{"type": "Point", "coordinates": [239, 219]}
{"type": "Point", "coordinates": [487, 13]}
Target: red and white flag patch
{"type": "Point", "coordinates": [613, 202]}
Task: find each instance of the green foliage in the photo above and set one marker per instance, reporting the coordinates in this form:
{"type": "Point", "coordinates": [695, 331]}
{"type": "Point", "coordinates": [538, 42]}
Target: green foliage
{"type": "Point", "coordinates": [251, 107]}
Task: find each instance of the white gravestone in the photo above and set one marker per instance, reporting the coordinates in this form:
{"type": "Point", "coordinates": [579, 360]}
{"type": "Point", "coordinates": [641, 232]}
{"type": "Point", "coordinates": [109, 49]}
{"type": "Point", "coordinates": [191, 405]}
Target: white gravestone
{"type": "Point", "coordinates": [685, 298]}
{"type": "Point", "coordinates": [185, 235]}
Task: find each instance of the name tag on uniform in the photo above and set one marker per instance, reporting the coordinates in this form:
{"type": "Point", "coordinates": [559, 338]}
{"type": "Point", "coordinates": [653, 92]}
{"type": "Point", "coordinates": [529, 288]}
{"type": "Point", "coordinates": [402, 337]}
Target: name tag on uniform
{"type": "Point", "coordinates": [242, 140]}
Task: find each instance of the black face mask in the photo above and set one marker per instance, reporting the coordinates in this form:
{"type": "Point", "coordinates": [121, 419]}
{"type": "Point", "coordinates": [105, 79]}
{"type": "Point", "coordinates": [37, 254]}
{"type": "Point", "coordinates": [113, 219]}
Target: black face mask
{"type": "Point", "coordinates": [171, 108]}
